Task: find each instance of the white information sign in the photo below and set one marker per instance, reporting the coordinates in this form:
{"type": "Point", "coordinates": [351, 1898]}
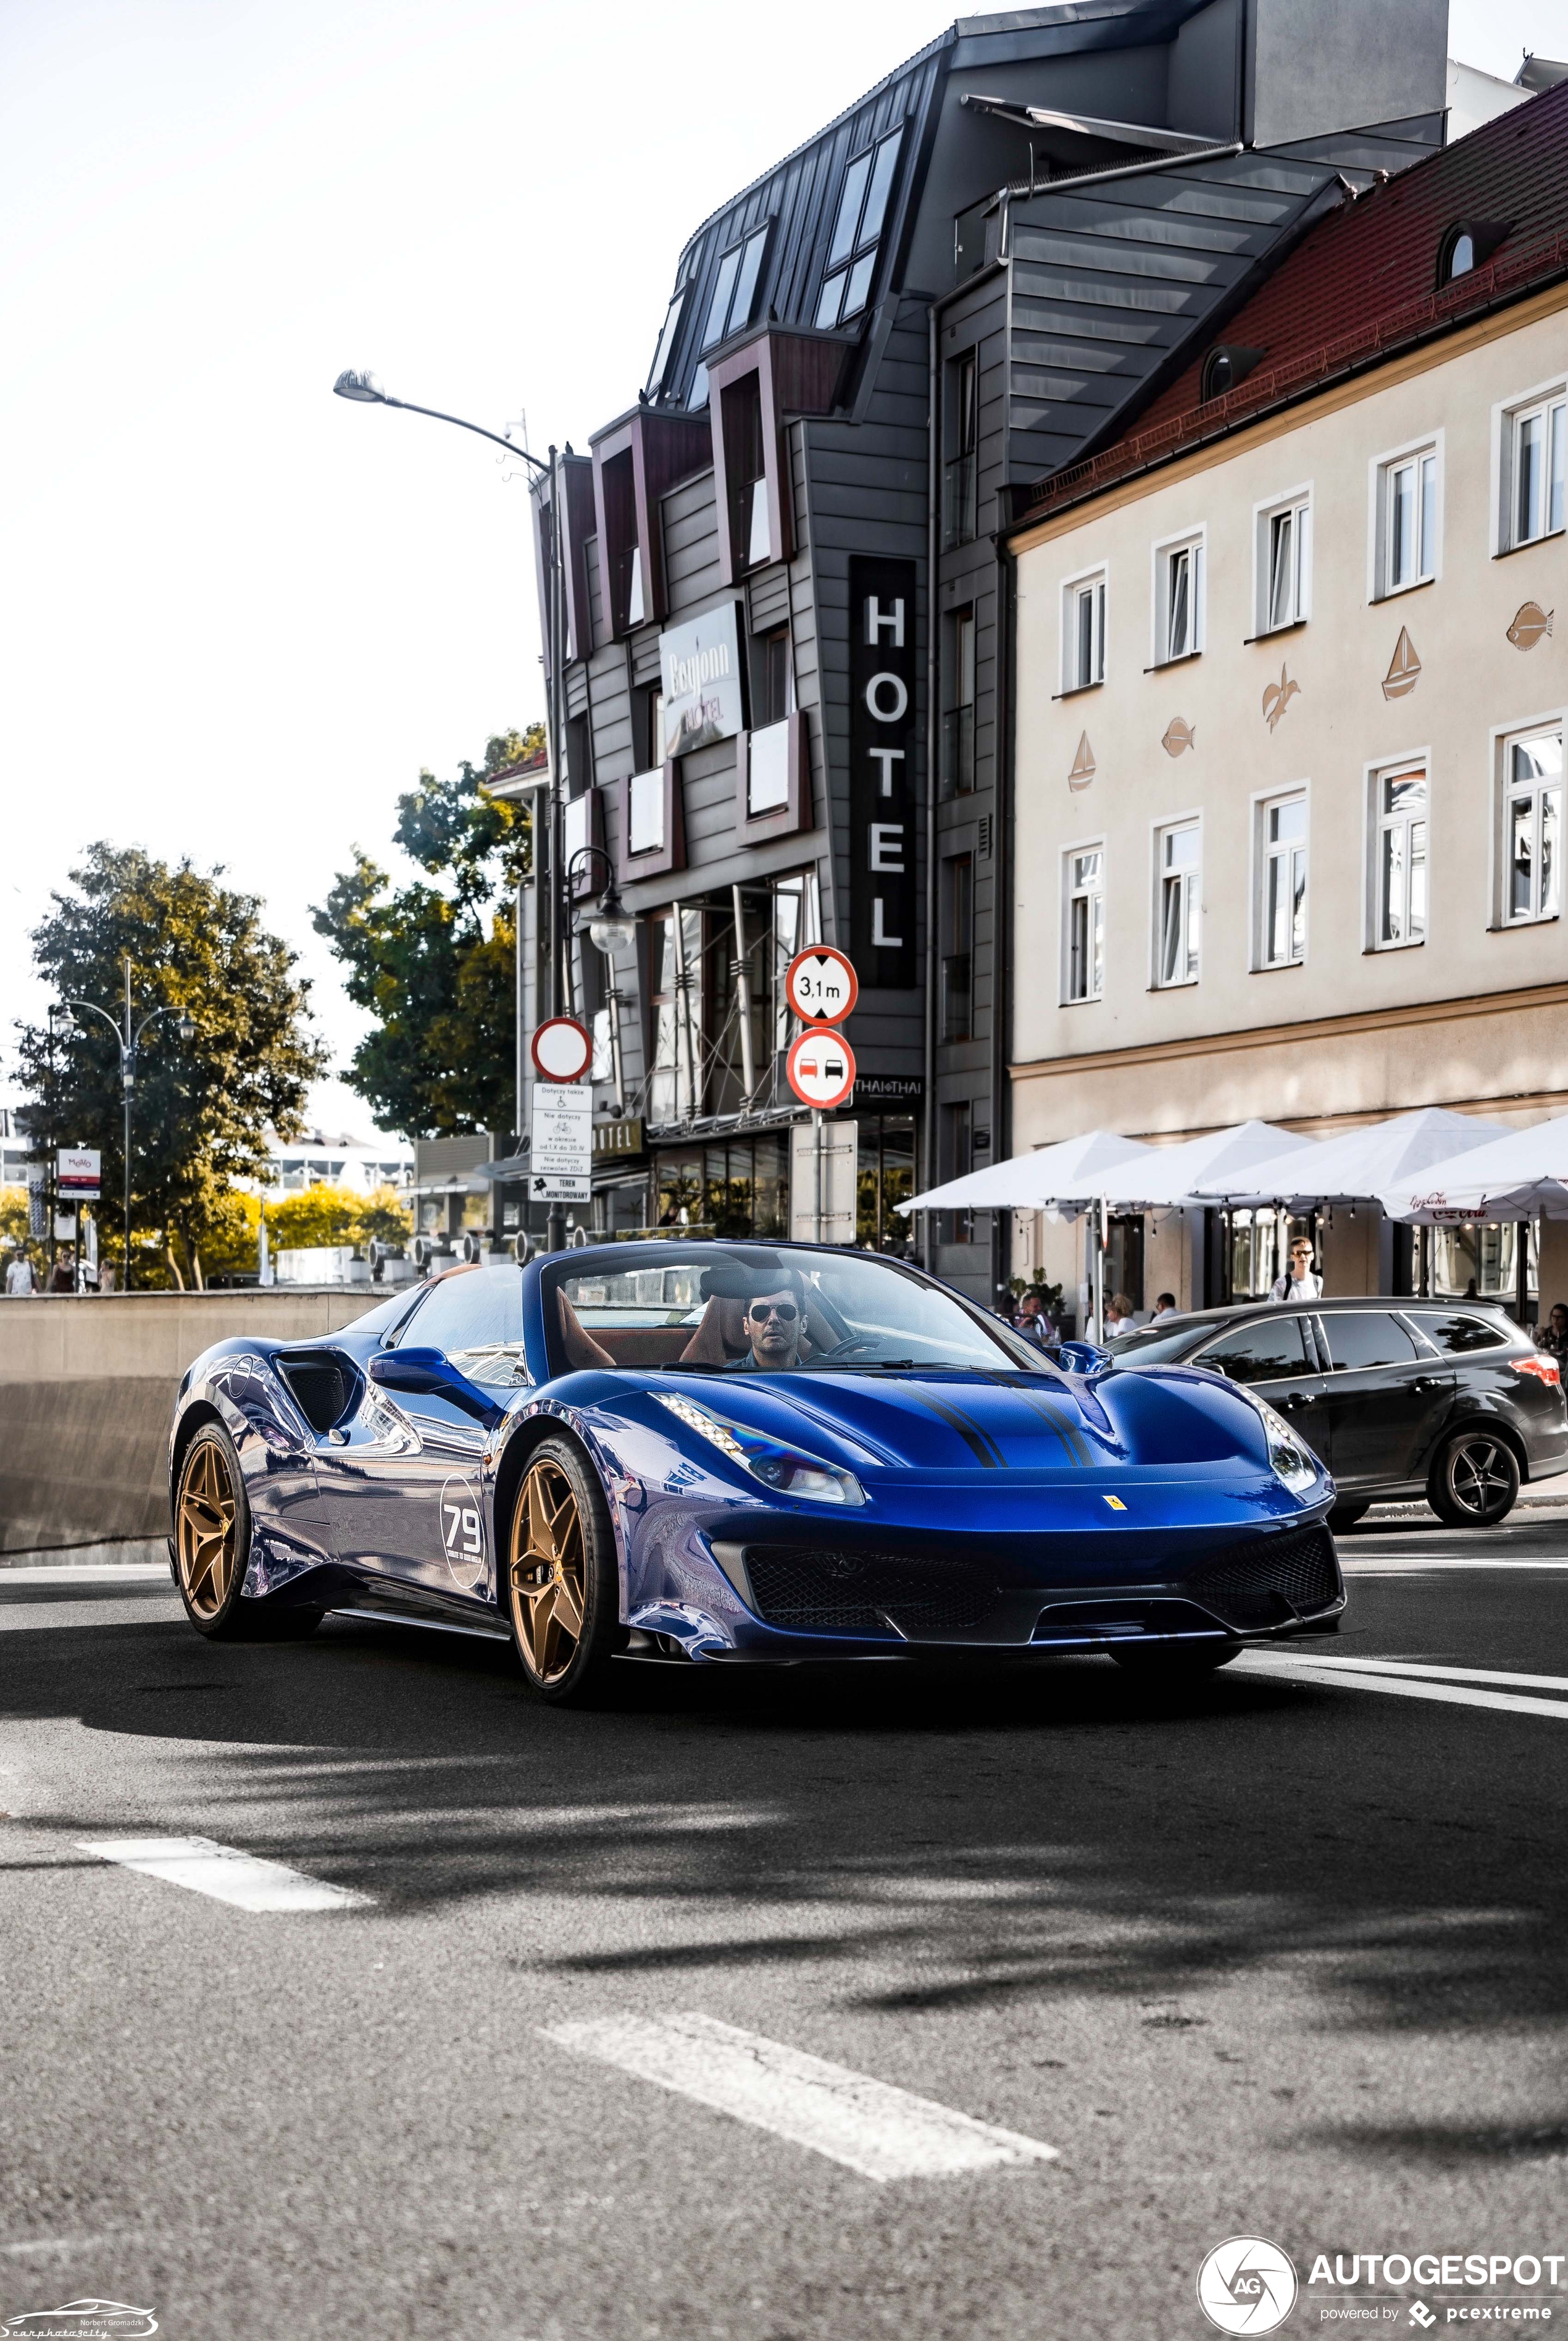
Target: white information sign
{"type": "Point", "coordinates": [77, 1171]}
{"type": "Point", "coordinates": [561, 1155]}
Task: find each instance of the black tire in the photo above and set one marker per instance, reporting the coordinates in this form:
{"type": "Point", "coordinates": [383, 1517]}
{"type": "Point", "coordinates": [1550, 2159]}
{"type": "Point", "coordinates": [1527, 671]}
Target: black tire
{"type": "Point", "coordinates": [1346, 1516]}
{"type": "Point", "coordinates": [562, 1589]}
{"type": "Point", "coordinates": [1474, 1478]}
{"type": "Point", "coordinates": [210, 1568]}
{"type": "Point", "coordinates": [1174, 1662]}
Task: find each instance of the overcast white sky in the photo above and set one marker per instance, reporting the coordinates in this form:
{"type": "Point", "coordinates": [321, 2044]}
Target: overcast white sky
{"type": "Point", "coordinates": [237, 614]}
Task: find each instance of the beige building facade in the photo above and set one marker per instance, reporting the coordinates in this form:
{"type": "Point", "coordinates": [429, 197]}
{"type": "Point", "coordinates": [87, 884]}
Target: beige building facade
{"type": "Point", "coordinates": [1288, 794]}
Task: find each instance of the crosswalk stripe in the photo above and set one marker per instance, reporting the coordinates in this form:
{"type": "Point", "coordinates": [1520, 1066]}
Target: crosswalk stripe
{"type": "Point", "coordinates": [1399, 1564]}
{"type": "Point", "coordinates": [869, 2125]}
{"type": "Point", "coordinates": [1422, 1667]}
{"type": "Point", "coordinates": [1310, 1670]}
{"type": "Point", "coordinates": [224, 1872]}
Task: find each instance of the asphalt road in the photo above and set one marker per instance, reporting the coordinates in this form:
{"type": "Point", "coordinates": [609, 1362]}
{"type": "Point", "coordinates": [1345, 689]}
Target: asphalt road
{"type": "Point", "coordinates": [1274, 1957]}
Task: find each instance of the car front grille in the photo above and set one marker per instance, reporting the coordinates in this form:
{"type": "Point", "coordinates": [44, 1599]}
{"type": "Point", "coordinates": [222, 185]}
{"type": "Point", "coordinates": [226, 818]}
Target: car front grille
{"type": "Point", "coordinates": [1260, 1583]}
{"type": "Point", "coordinates": [821, 1589]}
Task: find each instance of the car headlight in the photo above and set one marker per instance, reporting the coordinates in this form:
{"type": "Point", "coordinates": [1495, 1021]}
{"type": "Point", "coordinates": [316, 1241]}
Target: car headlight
{"type": "Point", "coordinates": [788, 1471]}
{"type": "Point", "coordinates": [1290, 1458]}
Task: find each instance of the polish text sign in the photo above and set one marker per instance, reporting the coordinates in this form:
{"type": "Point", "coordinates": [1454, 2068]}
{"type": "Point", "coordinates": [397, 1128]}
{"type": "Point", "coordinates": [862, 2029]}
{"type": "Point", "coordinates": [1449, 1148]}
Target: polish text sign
{"type": "Point", "coordinates": [821, 1067]}
{"type": "Point", "coordinates": [561, 1146]}
{"type": "Point", "coordinates": [77, 1171]}
{"type": "Point", "coordinates": [820, 985]}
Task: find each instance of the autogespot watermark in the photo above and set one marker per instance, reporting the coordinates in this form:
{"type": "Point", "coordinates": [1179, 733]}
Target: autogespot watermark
{"type": "Point", "coordinates": [1248, 2285]}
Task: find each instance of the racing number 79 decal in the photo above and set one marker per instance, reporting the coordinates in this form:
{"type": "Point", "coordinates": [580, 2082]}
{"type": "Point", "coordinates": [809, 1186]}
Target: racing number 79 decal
{"type": "Point", "coordinates": [462, 1533]}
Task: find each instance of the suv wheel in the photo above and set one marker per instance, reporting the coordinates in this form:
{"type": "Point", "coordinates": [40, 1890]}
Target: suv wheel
{"type": "Point", "coordinates": [1474, 1480]}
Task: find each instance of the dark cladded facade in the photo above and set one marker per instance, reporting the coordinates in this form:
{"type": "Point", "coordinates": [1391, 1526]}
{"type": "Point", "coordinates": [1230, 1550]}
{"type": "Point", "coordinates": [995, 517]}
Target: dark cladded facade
{"type": "Point", "coordinates": [1019, 233]}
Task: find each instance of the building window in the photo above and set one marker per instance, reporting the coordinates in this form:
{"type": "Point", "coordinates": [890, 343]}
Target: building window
{"type": "Point", "coordinates": [675, 1080]}
{"type": "Point", "coordinates": [1400, 808]}
{"type": "Point", "coordinates": [1282, 889]}
{"type": "Point", "coordinates": [957, 1160]}
{"type": "Point", "coordinates": [1531, 468]}
{"type": "Point", "coordinates": [956, 1020]}
{"type": "Point", "coordinates": [645, 819]}
{"type": "Point", "coordinates": [1083, 923]}
{"type": "Point", "coordinates": [666, 349]}
{"type": "Point", "coordinates": [1459, 258]}
{"type": "Point", "coordinates": [1180, 852]}
{"type": "Point", "coordinates": [1284, 564]}
{"type": "Point", "coordinates": [746, 465]}
{"type": "Point", "coordinates": [852, 255]}
{"type": "Point", "coordinates": [1406, 521]}
{"type": "Point", "coordinates": [960, 476]}
{"type": "Point", "coordinates": [773, 696]}
{"type": "Point", "coordinates": [1084, 632]}
{"type": "Point", "coordinates": [1533, 828]}
{"type": "Point", "coordinates": [958, 775]}
{"type": "Point", "coordinates": [735, 288]}
{"type": "Point", "coordinates": [1178, 602]}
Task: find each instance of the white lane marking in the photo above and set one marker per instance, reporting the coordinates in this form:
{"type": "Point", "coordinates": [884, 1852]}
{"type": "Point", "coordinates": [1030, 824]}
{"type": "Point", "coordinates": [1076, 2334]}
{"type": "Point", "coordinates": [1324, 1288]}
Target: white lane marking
{"type": "Point", "coordinates": [1421, 1666]}
{"type": "Point", "coordinates": [869, 2125]}
{"type": "Point", "coordinates": [115, 1572]}
{"type": "Point", "coordinates": [1304, 1670]}
{"type": "Point", "coordinates": [1399, 1563]}
{"type": "Point", "coordinates": [224, 1872]}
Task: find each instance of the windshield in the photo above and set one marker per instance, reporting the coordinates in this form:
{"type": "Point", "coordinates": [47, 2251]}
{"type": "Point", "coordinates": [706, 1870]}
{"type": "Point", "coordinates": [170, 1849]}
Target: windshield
{"type": "Point", "coordinates": [720, 1308]}
{"type": "Point", "coordinates": [1151, 1345]}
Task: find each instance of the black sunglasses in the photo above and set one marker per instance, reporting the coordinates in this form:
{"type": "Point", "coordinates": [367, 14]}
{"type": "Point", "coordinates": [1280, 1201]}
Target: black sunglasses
{"type": "Point", "coordinates": [785, 1310]}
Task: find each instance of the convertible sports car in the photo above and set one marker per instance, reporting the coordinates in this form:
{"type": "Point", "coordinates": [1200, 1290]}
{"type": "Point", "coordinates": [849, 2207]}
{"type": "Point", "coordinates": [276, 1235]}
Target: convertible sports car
{"type": "Point", "coordinates": [737, 1452]}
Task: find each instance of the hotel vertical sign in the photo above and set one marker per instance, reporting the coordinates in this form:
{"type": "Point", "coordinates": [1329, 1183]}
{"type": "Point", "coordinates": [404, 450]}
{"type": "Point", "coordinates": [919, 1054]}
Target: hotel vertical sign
{"type": "Point", "coordinates": [882, 756]}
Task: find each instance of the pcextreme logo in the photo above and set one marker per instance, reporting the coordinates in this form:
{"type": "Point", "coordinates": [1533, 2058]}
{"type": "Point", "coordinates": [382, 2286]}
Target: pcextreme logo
{"type": "Point", "coordinates": [1246, 2285]}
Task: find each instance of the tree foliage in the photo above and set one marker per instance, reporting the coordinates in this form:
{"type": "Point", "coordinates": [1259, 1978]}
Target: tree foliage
{"type": "Point", "coordinates": [434, 964]}
{"type": "Point", "coordinates": [202, 1108]}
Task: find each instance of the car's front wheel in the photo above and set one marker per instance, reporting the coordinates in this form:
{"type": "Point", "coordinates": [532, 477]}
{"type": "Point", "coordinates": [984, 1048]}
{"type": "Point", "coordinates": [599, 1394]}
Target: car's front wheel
{"type": "Point", "coordinates": [562, 1582]}
{"type": "Point", "coordinates": [1474, 1480]}
{"type": "Point", "coordinates": [213, 1548]}
{"type": "Point", "coordinates": [1174, 1662]}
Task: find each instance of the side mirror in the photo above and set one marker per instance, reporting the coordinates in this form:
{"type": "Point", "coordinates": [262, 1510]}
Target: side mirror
{"type": "Point", "coordinates": [429, 1373]}
{"type": "Point", "coordinates": [1077, 1358]}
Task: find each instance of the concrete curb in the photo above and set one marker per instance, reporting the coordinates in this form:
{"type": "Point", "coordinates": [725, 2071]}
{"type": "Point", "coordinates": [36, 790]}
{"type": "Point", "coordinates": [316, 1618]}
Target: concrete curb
{"type": "Point", "coordinates": [121, 1552]}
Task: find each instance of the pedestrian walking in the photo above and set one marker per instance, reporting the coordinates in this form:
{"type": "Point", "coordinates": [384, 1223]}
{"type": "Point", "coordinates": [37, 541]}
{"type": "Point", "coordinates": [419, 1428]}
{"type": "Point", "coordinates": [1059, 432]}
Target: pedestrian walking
{"type": "Point", "coordinates": [1301, 1281]}
{"type": "Point", "coordinates": [63, 1275]}
{"type": "Point", "coordinates": [19, 1279]}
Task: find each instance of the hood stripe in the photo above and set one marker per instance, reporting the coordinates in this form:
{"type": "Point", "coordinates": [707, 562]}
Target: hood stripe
{"type": "Point", "coordinates": [975, 1437]}
{"type": "Point", "coordinates": [1068, 1432]}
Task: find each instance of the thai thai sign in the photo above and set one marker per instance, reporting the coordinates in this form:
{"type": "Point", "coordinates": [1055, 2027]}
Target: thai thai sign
{"type": "Point", "coordinates": [882, 749]}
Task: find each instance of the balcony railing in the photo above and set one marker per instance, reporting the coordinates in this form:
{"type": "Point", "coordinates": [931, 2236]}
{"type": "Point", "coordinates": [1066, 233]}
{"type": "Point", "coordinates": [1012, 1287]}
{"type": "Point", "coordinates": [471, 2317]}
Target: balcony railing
{"type": "Point", "coordinates": [957, 767]}
{"type": "Point", "coordinates": [958, 487]}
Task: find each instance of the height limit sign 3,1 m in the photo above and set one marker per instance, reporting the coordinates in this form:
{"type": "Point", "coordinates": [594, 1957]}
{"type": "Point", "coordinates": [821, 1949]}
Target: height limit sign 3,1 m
{"type": "Point", "coordinates": [820, 985]}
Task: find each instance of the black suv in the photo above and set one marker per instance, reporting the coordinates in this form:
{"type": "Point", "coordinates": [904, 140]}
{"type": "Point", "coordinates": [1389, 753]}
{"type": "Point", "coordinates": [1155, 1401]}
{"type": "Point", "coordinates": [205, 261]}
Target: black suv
{"type": "Point", "coordinates": [1445, 1400]}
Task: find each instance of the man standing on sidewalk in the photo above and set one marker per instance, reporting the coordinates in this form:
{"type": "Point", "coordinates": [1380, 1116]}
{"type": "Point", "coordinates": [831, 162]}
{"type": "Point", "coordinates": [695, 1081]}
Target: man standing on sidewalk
{"type": "Point", "coordinates": [1301, 1281]}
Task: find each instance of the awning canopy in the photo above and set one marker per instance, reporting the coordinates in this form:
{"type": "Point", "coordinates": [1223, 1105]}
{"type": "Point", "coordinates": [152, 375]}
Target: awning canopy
{"type": "Point", "coordinates": [1512, 1178]}
{"type": "Point", "coordinates": [1356, 1166]}
{"type": "Point", "coordinates": [1166, 1176]}
{"type": "Point", "coordinates": [1061, 1178]}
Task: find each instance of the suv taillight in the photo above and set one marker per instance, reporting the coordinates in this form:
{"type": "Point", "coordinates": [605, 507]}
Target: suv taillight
{"type": "Point", "coordinates": [1545, 1370]}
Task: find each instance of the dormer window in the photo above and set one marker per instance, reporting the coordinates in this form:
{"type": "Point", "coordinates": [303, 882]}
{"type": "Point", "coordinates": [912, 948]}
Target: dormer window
{"type": "Point", "coordinates": [1468, 245]}
{"type": "Point", "coordinates": [1224, 365]}
{"type": "Point", "coordinates": [735, 289]}
{"type": "Point", "coordinates": [852, 255]}
{"type": "Point", "coordinates": [666, 349]}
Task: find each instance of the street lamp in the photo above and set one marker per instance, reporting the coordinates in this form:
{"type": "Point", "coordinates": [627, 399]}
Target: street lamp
{"type": "Point", "coordinates": [128, 1043]}
{"type": "Point", "coordinates": [611, 926]}
{"type": "Point", "coordinates": [361, 386]}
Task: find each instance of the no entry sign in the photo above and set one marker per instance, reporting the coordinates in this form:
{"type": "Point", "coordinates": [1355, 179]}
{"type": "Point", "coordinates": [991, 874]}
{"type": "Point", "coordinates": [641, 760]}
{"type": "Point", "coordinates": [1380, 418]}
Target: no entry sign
{"type": "Point", "coordinates": [820, 985]}
{"type": "Point", "coordinates": [563, 1049]}
{"type": "Point", "coordinates": [821, 1067]}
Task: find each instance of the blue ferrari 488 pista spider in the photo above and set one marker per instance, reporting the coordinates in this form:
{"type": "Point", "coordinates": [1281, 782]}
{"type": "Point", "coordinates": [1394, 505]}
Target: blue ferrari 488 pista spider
{"type": "Point", "coordinates": [738, 1453]}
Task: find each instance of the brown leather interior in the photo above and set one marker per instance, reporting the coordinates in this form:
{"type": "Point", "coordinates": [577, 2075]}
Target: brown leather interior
{"type": "Point", "coordinates": [582, 1349]}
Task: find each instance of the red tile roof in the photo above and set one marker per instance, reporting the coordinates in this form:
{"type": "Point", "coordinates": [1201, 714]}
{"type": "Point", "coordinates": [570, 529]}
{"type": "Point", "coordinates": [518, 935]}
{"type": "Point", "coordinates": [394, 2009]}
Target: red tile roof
{"type": "Point", "coordinates": [1363, 283]}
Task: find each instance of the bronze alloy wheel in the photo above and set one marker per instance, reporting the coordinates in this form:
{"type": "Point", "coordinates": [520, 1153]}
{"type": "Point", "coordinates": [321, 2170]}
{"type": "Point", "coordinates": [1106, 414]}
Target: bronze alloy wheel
{"type": "Point", "coordinates": [206, 1528]}
{"type": "Point", "coordinates": [548, 1571]}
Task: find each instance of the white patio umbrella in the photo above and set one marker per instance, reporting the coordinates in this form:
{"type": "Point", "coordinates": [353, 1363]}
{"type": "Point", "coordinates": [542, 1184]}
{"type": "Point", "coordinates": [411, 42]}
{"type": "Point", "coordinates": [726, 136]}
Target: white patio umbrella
{"type": "Point", "coordinates": [1065, 1178]}
{"type": "Point", "coordinates": [1166, 1176]}
{"type": "Point", "coordinates": [1356, 1166]}
{"type": "Point", "coordinates": [1515, 1176]}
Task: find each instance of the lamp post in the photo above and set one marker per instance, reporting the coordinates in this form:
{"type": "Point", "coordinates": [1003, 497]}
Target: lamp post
{"type": "Point", "coordinates": [362, 388]}
{"type": "Point", "coordinates": [609, 928]}
{"type": "Point", "coordinates": [128, 1043]}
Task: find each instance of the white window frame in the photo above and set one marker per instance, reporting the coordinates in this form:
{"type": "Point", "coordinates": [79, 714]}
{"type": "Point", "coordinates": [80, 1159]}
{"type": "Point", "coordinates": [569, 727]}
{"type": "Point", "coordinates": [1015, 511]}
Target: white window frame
{"type": "Point", "coordinates": [1084, 581]}
{"type": "Point", "coordinates": [1507, 415]}
{"type": "Point", "coordinates": [1382, 472]}
{"type": "Point", "coordinates": [1263, 801]}
{"type": "Point", "coordinates": [1162, 557]}
{"type": "Point", "coordinates": [1373, 776]}
{"type": "Point", "coordinates": [1069, 893]}
{"type": "Point", "coordinates": [1190, 884]}
{"type": "Point", "coordinates": [1298, 502]}
{"type": "Point", "coordinates": [1505, 738]}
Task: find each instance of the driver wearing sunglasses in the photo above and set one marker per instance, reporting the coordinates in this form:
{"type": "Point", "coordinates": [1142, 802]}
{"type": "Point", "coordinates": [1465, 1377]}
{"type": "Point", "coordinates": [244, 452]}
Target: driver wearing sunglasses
{"type": "Point", "coordinates": [774, 1322]}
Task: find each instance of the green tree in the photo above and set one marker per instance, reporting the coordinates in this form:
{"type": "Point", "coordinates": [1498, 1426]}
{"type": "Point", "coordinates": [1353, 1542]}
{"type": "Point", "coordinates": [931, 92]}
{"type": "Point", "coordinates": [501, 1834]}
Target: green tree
{"type": "Point", "coordinates": [202, 1108]}
{"type": "Point", "coordinates": [434, 964]}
